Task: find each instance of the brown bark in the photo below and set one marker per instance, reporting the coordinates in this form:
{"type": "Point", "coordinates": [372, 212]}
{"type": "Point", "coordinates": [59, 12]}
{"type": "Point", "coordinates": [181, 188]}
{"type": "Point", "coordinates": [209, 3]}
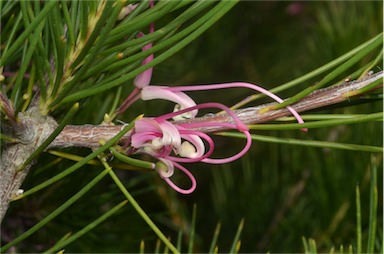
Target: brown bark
{"type": "Point", "coordinates": [30, 130]}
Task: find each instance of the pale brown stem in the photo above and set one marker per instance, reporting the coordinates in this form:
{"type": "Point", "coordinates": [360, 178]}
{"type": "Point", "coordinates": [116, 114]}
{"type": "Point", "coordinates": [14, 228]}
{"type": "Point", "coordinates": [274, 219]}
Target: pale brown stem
{"type": "Point", "coordinates": [31, 129]}
{"type": "Point", "coordinates": [90, 135]}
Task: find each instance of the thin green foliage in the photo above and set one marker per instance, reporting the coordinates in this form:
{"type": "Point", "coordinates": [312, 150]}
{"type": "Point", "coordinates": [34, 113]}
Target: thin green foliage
{"type": "Point", "coordinates": [371, 45]}
{"type": "Point", "coordinates": [70, 27]}
{"type": "Point", "coordinates": [358, 221]}
{"type": "Point", "coordinates": [236, 240]}
{"type": "Point", "coordinates": [15, 96]}
{"type": "Point", "coordinates": [15, 25]}
{"type": "Point", "coordinates": [322, 123]}
{"type": "Point", "coordinates": [142, 213]}
{"type": "Point", "coordinates": [367, 47]}
{"type": "Point", "coordinates": [142, 247]}
{"type": "Point", "coordinates": [193, 230]}
{"type": "Point", "coordinates": [57, 211]}
{"type": "Point", "coordinates": [372, 65]}
{"type": "Point", "coordinates": [216, 233]}
{"type": "Point", "coordinates": [22, 37]}
{"type": "Point", "coordinates": [131, 46]}
{"type": "Point", "coordinates": [179, 240]}
{"type": "Point", "coordinates": [310, 244]}
{"type": "Point", "coordinates": [61, 244]}
{"type": "Point", "coordinates": [310, 143]}
{"type": "Point", "coordinates": [198, 28]}
{"type": "Point", "coordinates": [101, 31]}
{"type": "Point", "coordinates": [28, 96]}
{"type": "Point", "coordinates": [56, 30]}
{"type": "Point", "coordinates": [373, 199]}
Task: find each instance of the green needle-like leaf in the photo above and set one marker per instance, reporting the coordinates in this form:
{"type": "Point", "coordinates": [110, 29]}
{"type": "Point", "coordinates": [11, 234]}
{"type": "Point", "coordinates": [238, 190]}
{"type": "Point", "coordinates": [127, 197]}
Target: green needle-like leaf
{"type": "Point", "coordinates": [358, 220]}
{"type": "Point", "coordinates": [56, 212]}
{"type": "Point", "coordinates": [25, 64]}
{"type": "Point", "coordinates": [320, 124]}
{"type": "Point", "coordinates": [214, 239]}
{"type": "Point", "coordinates": [86, 229]}
{"type": "Point", "coordinates": [311, 143]}
{"type": "Point", "coordinates": [319, 71]}
{"type": "Point", "coordinates": [235, 246]}
{"type": "Point", "coordinates": [349, 63]}
{"type": "Point", "coordinates": [22, 37]}
{"type": "Point", "coordinates": [373, 200]}
{"type": "Point", "coordinates": [192, 231]}
{"type": "Point", "coordinates": [142, 213]}
{"type": "Point", "coordinates": [56, 29]}
{"type": "Point", "coordinates": [210, 18]}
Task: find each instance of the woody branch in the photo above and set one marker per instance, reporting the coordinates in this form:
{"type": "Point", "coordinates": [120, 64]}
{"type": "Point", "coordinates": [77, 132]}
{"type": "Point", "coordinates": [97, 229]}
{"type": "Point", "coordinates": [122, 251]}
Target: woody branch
{"type": "Point", "coordinates": [90, 135]}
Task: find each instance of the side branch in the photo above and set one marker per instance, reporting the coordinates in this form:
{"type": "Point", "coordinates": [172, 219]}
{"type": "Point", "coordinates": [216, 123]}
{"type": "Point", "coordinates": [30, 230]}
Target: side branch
{"type": "Point", "coordinates": [90, 135]}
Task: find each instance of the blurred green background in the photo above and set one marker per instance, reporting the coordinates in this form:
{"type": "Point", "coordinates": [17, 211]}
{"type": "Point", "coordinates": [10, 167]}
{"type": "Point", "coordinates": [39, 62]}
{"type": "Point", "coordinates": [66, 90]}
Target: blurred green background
{"type": "Point", "coordinates": [282, 192]}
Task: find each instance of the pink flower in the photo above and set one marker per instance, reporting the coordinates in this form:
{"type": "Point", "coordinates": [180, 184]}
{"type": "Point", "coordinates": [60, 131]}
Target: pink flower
{"type": "Point", "coordinates": [161, 140]}
{"type": "Point", "coordinates": [172, 144]}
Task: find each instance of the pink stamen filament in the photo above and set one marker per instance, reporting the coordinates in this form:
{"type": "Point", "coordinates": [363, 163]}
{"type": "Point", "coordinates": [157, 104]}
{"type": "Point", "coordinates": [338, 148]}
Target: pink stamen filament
{"type": "Point", "coordinates": [238, 84]}
{"type": "Point", "coordinates": [134, 96]}
{"type": "Point", "coordinates": [234, 157]}
{"type": "Point", "coordinates": [185, 134]}
{"type": "Point", "coordinates": [190, 176]}
{"type": "Point", "coordinates": [239, 124]}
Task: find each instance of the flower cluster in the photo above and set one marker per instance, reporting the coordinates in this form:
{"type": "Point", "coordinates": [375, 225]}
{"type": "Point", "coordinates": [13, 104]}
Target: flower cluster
{"type": "Point", "coordinates": [171, 144]}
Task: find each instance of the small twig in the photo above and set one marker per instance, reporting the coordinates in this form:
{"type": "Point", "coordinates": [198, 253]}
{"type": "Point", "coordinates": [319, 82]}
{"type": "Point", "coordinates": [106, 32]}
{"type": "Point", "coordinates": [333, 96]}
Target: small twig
{"type": "Point", "coordinates": [90, 135]}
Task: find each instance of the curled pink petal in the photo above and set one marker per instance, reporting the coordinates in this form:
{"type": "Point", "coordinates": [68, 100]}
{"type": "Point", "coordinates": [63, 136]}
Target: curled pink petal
{"type": "Point", "coordinates": [145, 129]}
{"type": "Point", "coordinates": [162, 92]}
{"type": "Point", "coordinates": [165, 168]}
{"type": "Point", "coordinates": [155, 135]}
{"type": "Point", "coordinates": [187, 135]}
{"type": "Point", "coordinates": [171, 135]}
